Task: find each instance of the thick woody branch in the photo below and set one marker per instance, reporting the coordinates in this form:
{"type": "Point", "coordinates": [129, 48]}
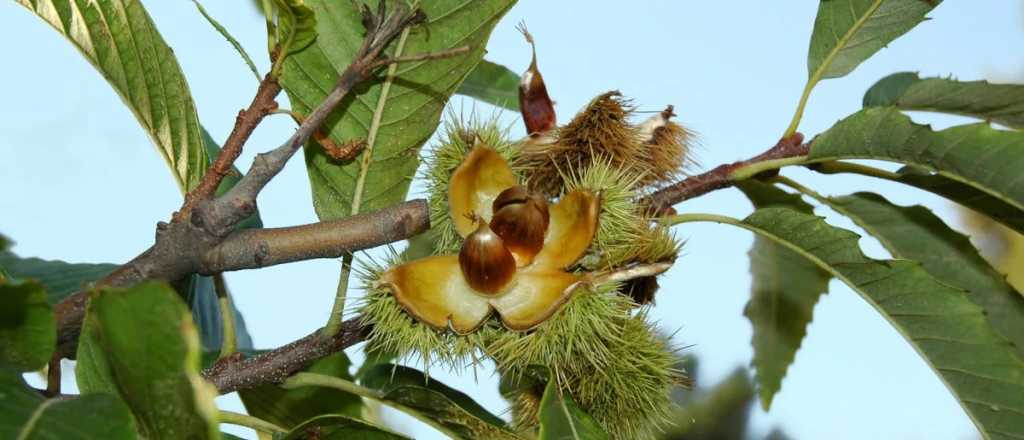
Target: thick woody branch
{"type": "Point", "coordinates": [183, 245]}
{"type": "Point", "coordinates": [253, 248]}
{"type": "Point", "coordinates": [723, 176]}
{"type": "Point", "coordinates": [237, 373]}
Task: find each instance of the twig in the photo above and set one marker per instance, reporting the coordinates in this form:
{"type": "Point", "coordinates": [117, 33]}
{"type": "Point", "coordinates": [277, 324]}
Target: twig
{"type": "Point", "coordinates": [786, 152]}
{"type": "Point", "coordinates": [275, 366]}
{"type": "Point", "coordinates": [248, 421]}
{"type": "Point", "coordinates": [183, 244]}
{"type": "Point", "coordinates": [262, 105]}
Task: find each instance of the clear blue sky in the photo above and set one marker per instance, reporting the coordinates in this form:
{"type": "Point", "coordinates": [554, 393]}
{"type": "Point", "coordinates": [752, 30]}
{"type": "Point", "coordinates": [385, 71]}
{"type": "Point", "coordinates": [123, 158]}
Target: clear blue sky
{"type": "Point", "coordinates": [81, 181]}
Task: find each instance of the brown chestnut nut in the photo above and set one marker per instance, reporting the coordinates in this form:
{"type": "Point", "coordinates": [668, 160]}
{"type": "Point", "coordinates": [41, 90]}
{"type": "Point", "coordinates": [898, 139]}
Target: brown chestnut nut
{"type": "Point", "coordinates": [521, 220]}
{"type": "Point", "coordinates": [486, 263]}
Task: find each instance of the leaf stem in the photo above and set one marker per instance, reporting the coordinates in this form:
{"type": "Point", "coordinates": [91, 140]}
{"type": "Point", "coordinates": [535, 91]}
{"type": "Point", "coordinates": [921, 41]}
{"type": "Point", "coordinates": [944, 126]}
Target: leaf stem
{"type": "Point", "coordinates": [678, 219]}
{"type": "Point", "coordinates": [334, 321]}
{"type": "Point", "coordinates": [837, 167]}
{"type": "Point", "coordinates": [321, 380]}
{"type": "Point", "coordinates": [794, 123]}
{"type": "Point", "coordinates": [248, 421]}
{"type": "Point", "coordinates": [224, 33]}
{"type": "Point", "coordinates": [229, 337]}
{"type": "Point", "coordinates": [750, 170]}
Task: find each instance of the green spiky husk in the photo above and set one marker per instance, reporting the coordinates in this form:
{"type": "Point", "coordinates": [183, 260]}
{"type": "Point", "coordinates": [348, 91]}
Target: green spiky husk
{"type": "Point", "coordinates": [629, 397]}
{"type": "Point", "coordinates": [576, 337]}
{"type": "Point", "coordinates": [456, 140]}
{"type": "Point", "coordinates": [624, 235]}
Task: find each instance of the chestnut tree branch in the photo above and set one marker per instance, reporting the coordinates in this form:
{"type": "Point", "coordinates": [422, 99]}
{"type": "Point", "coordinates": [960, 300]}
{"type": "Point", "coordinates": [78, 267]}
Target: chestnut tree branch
{"type": "Point", "coordinates": [235, 373]}
{"type": "Point", "coordinates": [195, 235]}
{"type": "Point", "coordinates": [660, 202]}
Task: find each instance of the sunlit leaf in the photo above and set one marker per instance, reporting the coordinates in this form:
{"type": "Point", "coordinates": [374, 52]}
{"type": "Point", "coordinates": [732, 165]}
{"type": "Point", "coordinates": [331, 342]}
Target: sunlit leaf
{"type": "Point", "coordinates": [394, 115]}
{"type": "Point", "coordinates": [847, 32]}
{"type": "Point", "coordinates": [120, 40]}
{"type": "Point", "coordinates": [976, 155]}
{"type": "Point", "coordinates": [290, 408]}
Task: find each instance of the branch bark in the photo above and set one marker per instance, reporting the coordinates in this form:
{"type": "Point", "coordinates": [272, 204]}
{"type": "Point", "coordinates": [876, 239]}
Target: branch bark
{"type": "Point", "coordinates": [194, 235]}
{"type": "Point", "coordinates": [237, 373]}
{"type": "Point", "coordinates": [660, 202]}
{"type": "Point", "coordinates": [253, 248]}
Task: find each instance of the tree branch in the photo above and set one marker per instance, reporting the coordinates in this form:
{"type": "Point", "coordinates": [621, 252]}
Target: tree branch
{"type": "Point", "coordinates": [660, 202]}
{"type": "Point", "coordinates": [254, 248]}
{"type": "Point", "coordinates": [203, 224]}
{"type": "Point", "coordinates": [237, 373]}
{"type": "Point", "coordinates": [247, 120]}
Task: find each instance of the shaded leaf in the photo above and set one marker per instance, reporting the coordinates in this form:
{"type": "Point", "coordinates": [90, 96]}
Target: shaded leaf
{"type": "Point", "coordinates": [395, 115]}
{"type": "Point", "coordinates": [336, 427]}
{"type": "Point", "coordinates": [977, 155]}
{"type": "Point", "coordinates": [722, 412]}
{"type": "Point", "coordinates": [28, 332]}
{"type": "Point", "coordinates": [58, 278]}
{"type": "Point", "coordinates": [61, 279]}
{"type": "Point", "coordinates": [289, 408]}
{"type": "Point", "coordinates": [447, 409]}
{"type": "Point", "coordinates": [914, 233]}
{"type": "Point", "coordinates": [848, 32]}
{"type": "Point", "coordinates": [494, 84]}
{"type": "Point", "coordinates": [26, 415]}
{"type": "Point", "coordinates": [120, 40]}
{"type": "Point", "coordinates": [950, 332]}
{"type": "Point", "coordinates": [298, 22]}
{"type": "Point", "coordinates": [562, 419]}
{"type": "Point", "coordinates": [1000, 103]}
{"type": "Point", "coordinates": [141, 343]}
{"type": "Point", "coordinates": [963, 194]}
{"type": "Point", "coordinates": [784, 289]}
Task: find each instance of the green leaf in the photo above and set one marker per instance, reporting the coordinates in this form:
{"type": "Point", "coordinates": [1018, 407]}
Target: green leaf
{"type": "Point", "coordinates": [290, 408]}
{"type": "Point", "coordinates": [950, 332]}
{"type": "Point", "coordinates": [976, 155]}
{"type": "Point", "coordinates": [28, 332]}
{"type": "Point", "coordinates": [1000, 103]}
{"type": "Point", "coordinates": [58, 278]}
{"type": "Point", "coordinates": [141, 343]}
{"type": "Point", "coordinates": [449, 410]}
{"type": "Point", "coordinates": [26, 415]}
{"type": "Point", "coordinates": [298, 22]}
{"type": "Point", "coordinates": [562, 419]}
{"type": "Point", "coordinates": [396, 113]}
{"type": "Point", "coordinates": [336, 427]}
{"type": "Point", "coordinates": [120, 40]}
{"type": "Point", "coordinates": [963, 194]}
{"type": "Point", "coordinates": [914, 233]}
{"type": "Point", "coordinates": [494, 84]}
{"type": "Point", "coordinates": [848, 32]}
{"type": "Point", "coordinates": [61, 279]}
{"type": "Point", "coordinates": [784, 289]}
